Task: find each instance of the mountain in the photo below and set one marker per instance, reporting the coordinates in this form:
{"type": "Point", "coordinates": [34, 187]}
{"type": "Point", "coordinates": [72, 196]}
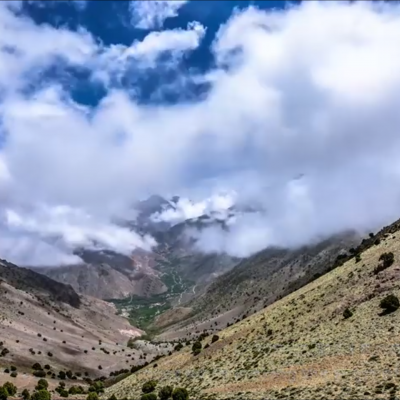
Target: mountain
{"type": "Point", "coordinates": [109, 275]}
{"type": "Point", "coordinates": [47, 322]}
{"type": "Point", "coordinates": [337, 337]}
{"type": "Point", "coordinates": [258, 281]}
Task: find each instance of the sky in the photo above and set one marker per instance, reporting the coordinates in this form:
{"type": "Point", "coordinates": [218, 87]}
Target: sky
{"type": "Point", "coordinates": [291, 106]}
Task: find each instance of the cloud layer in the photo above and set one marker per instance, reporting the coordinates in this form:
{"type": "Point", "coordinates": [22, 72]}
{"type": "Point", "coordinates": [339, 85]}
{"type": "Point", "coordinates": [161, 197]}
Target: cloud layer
{"type": "Point", "coordinates": [309, 92]}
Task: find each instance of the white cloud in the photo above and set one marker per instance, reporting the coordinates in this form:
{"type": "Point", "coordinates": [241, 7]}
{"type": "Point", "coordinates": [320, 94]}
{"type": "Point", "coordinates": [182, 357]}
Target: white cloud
{"type": "Point", "coordinates": [117, 59]}
{"type": "Point", "coordinates": [152, 14]}
{"type": "Point", "coordinates": [216, 205]}
{"type": "Point", "coordinates": [313, 91]}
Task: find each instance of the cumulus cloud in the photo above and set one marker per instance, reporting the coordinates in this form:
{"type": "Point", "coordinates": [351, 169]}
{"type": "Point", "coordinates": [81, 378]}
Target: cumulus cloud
{"type": "Point", "coordinates": [152, 14]}
{"type": "Point", "coordinates": [184, 209]}
{"type": "Point", "coordinates": [301, 118]}
{"type": "Point", "coordinates": [114, 62]}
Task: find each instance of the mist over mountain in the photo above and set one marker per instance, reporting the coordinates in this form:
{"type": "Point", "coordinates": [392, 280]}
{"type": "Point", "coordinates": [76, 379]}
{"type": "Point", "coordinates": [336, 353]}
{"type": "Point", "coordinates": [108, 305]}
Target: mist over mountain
{"type": "Point", "coordinates": [260, 105]}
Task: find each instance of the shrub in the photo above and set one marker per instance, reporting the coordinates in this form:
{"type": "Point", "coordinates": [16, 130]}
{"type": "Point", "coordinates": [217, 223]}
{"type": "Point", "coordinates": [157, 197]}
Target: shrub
{"type": "Point", "coordinates": [41, 395]}
{"type": "Point", "coordinates": [25, 394]}
{"type": "Point", "coordinates": [63, 393]}
{"type": "Point", "coordinates": [387, 259]}
{"type": "Point", "coordinates": [389, 304]}
{"type": "Point", "coordinates": [196, 348]}
{"type": "Point", "coordinates": [180, 394]}
{"type": "Point", "coordinates": [62, 375]}
{"type": "Point", "coordinates": [42, 384]}
{"type": "Point", "coordinates": [14, 374]}
{"type": "Point", "coordinates": [92, 396]}
{"type": "Point", "coordinates": [13, 368]}
{"type": "Point", "coordinates": [76, 390]}
{"type": "Point", "coordinates": [36, 367]}
{"type": "Point", "coordinates": [39, 374]}
{"type": "Point", "coordinates": [214, 339]}
{"type": "Point", "coordinates": [3, 393]}
{"type": "Point", "coordinates": [347, 313]}
{"type": "Point", "coordinates": [47, 366]}
{"type": "Point", "coordinates": [149, 396]}
{"type": "Point", "coordinates": [149, 386]}
{"type": "Point", "coordinates": [165, 392]}
{"type": "Point", "coordinates": [112, 397]}
{"type": "Point", "coordinates": [178, 347]}
{"type": "Point", "coordinates": [11, 388]}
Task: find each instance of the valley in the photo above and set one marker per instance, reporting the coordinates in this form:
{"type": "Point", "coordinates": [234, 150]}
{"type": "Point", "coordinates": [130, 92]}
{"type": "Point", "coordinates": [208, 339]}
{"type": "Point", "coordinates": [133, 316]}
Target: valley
{"type": "Point", "coordinates": [143, 311]}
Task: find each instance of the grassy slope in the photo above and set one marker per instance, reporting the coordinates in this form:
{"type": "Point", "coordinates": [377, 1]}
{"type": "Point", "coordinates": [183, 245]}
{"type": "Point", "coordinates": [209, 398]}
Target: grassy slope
{"type": "Point", "coordinates": [312, 351]}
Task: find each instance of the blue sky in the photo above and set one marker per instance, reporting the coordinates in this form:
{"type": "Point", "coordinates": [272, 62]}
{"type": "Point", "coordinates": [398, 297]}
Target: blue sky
{"type": "Point", "coordinates": [95, 16]}
{"type": "Point", "coordinates": [102, 103]}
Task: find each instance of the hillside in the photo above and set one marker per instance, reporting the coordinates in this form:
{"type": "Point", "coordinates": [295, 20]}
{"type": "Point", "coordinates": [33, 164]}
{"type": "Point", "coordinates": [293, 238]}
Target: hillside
{"type": "Point", "coordinates": [257, 282]}
{"type": "Point", "coordinates": [109, 275]}
{"type": "Point", "coordinates": [302, 346]}
{"type": "Point", "coordinates": [46, 322]}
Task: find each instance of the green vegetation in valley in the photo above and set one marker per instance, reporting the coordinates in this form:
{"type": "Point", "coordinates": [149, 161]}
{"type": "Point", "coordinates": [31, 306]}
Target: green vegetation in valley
{"type": "Point", "coordinates": [142, 311]}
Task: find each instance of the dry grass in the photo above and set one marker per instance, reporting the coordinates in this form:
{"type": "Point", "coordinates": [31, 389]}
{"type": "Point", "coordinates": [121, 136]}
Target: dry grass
{"type": "Point", "coordinates": [301, 346]}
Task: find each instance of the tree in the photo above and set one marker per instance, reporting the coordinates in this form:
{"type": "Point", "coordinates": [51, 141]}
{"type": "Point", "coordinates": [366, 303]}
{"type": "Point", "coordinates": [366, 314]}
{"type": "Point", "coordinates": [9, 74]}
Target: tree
{"type": "Point", "coordinates": [92, 396]}
{"type": "Point", "coordinates": [149, 386]}
{"type": "Point", "coordinates": [165, 392]}
{"type": "Point", "coordinates": [42, 384]}
{"type": "Point", "coordinates": [180, 394]}
{"type": "Point", "coordinates": [42, 394]}
{"type": "Point", "coordinates": [149, 396]}
{"type": "Point", "coordinates": [11, 388]}
{"type": "Point", "coordinates": [25, 394]}
{"type": "Point", "coordinates": [3, 393]}
{"type": "Point", "coordinates": [112, 397]}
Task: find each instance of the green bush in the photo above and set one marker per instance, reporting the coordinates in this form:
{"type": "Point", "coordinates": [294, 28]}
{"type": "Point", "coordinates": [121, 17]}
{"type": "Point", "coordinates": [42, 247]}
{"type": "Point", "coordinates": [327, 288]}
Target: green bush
{"type": "Point", "coordinates": [3, 393]}
{"type": "Point", "coordinates": [92, 396]}
{"type": "Point", "coordinates": [41, 395]}
{"type": "Point", "coordinates": [180, 394]}
{"type": "Point", "coordinates": [42, 384]}
{"type": "Point", "coordinates": [11, 388]}
{"type": "Point", "coordinates": [36, 367]}
{"type": "Point", "coordinates": [165, 392]}
{"type": "Point", "coordinates": [149, 386]}
{"type": "Point", "coordinates": [347, 313]}
{"type": "Point", "coordinates": [63, 393]}
{"type": "Point", "coordinates": [25, 394]}
{"type": "Point", "coordinates": [196, 348]}
{"type": "Point", "coordinates": [112, 397]}
{"type": "Point", "coordinates": [76, 390]}
{"type": "Point", "coordinates": [149, 396]}
{"type": "Point", "coordinates": [389, 304]}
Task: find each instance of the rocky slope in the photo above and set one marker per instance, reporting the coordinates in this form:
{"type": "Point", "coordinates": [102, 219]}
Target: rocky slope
{"type": "Point", "coordinates": [109, 275]}
{"type": "Point", "coordinates": [331, 339]}
{"type": "Point", "coordinates": [257, 282]}
{"type": "Point", "coordinates": [48, 322]}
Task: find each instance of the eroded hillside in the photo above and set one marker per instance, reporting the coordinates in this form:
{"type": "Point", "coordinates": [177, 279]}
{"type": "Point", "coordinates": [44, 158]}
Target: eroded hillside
{"type": "Point", "coordinates": [306, 345]}
{"type": "Point", "coordinates": [46, 322]}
